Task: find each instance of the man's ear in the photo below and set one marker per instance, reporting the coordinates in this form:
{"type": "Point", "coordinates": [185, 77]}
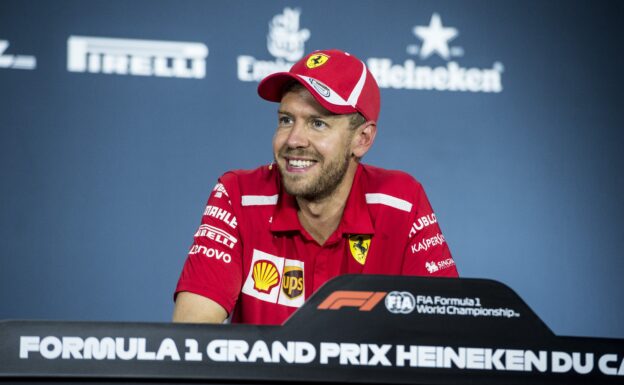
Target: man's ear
{"type": "Point", "coordinates": [363, 138]}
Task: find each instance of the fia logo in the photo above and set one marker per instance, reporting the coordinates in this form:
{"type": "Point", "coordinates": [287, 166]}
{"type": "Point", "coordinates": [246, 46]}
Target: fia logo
{"type": "Point", "coordinates": [400, 302]}
{"type": "Point", "coordinates": [285, 40]}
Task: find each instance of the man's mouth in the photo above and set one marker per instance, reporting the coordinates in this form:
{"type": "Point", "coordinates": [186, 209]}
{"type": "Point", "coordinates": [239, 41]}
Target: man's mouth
{"type": "Point", "coordinates": [299, 165]}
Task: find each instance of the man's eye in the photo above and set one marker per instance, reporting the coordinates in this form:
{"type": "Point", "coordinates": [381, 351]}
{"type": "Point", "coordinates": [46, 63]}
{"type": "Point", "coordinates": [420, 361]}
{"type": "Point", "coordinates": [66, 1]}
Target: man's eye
{"type": "Point", "coordinates": [317, 123]}
{"type": "Point", "coordinates": [284, 120]}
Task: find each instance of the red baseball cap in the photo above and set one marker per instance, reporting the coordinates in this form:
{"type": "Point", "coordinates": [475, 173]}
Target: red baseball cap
{"type": "Point", "coordinates": [340, 82]}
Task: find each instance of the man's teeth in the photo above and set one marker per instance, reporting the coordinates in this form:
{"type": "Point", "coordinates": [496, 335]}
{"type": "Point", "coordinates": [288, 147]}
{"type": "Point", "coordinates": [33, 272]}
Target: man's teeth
{"type": "Point", "coordinates": [300, 163]}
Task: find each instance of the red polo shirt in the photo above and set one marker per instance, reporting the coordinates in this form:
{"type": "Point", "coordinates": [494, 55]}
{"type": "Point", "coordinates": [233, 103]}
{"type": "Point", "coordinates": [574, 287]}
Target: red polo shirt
{"type": "Point", "coordinates": [252, 256]}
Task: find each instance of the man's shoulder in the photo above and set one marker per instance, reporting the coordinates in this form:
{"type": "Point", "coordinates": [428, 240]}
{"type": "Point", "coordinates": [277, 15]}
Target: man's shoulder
{"type": "Point", "coordinates": [393, 182]}
{"type": "Point", "coordinates": [263, 180]}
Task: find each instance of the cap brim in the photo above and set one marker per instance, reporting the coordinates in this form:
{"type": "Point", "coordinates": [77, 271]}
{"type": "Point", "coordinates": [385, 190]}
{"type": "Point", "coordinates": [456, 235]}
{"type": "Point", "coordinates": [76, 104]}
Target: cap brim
{"type": "Point", "coordinates": [272, 88]}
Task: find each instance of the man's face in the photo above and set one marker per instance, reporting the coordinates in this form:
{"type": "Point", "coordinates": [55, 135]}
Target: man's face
{"type": "Point", "coordinates": [311, 146]}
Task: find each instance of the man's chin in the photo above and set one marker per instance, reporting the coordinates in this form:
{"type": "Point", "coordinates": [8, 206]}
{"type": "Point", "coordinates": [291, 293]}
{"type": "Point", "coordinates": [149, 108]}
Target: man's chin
{"type": "Point", "coordinates": [296, 188]}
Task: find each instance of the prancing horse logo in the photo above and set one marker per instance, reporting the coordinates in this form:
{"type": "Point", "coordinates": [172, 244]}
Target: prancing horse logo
{"type": "Point", "coordinates": [317, 60]}
{"type": "Point", "coordinates": [359, 245]}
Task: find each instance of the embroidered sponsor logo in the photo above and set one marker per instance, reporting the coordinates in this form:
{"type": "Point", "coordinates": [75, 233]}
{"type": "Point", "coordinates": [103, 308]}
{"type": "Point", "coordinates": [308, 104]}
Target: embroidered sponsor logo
{"type": "Point", "coordinates": [433, 267]}
{"type": "Point", "coordinates": [317, 60]}
{"type": "Point", "coordinates": [292, 282]}
{"type": "Point", "coordinates": [425, 244]}
{"type": "Point", "coordinates": [421, 223]}
{"type": "Point", "coordinates": [359, 245]}
{"type": "Point", "coordinates": [265, 276]}
{"type": "Point", "coordinates": [285, 41]}
{"type": "Point", "coordinates": [363, 300]}
{"type": "Point", "coordinates": [136, 57]}
{"type": "Point", "coordinates": [211, 253]}
{"type": "Point", "coordinates": [219, 190]}
{"type": "Point", "coordinates": [217, 235]}
{"type": "Point", "coordinates": [320, 87]}
{"type": "Point", "coordinates": [400, 302]}
{"type": "Point", "coordinates": [266, 273]}
{"type": "Point", "coordinates": [222, 215]}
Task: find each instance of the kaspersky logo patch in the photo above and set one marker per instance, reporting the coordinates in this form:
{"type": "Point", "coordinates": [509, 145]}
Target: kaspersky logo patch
{"type": "Point", "coordinates": [359, 245]}
{"type": "Point", "coordinates": [317, 60]}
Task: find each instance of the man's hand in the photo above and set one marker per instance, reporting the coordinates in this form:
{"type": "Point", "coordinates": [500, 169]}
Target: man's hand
{"type": "Point", "coordinates": [194, 308]}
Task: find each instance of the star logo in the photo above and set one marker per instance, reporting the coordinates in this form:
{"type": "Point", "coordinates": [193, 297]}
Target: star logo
{"type": "Point", "coordinates": [435, 38]}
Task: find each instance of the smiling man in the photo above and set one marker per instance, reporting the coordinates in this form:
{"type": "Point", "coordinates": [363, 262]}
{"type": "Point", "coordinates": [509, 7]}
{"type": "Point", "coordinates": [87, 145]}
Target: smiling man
{"type": "Point", "coordinates": [272, 236]}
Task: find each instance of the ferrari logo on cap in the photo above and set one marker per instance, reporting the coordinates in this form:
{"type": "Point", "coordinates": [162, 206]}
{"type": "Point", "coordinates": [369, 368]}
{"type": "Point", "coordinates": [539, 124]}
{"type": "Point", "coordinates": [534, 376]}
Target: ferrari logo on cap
{"type": "Point", "coordinates": [317, 60]}
{"type": "Point", "coordinates": [359, 245]}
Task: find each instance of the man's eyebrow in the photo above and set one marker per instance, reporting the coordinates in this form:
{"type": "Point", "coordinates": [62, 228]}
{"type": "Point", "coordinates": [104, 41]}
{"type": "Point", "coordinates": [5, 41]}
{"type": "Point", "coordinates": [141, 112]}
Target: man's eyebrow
{"type": "Point", "coordinates": [314, 116]}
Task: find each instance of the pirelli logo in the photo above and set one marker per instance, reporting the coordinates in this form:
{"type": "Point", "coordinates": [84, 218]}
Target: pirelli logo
{"type": "Point", "coordinates": [363, 300]}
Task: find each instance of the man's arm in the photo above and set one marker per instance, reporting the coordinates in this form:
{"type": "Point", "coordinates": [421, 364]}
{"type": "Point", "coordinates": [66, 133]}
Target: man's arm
{"type": "Point", "coordinates": [427, 253]}
{"type": "Point", "coordinates": [210, 282]}
{"type": "Point", "coordinates": [194, 308]}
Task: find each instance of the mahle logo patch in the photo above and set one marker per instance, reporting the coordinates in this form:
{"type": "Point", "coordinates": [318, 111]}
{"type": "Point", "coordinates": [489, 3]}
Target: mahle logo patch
{"type": "Point", "coordinates": [292, 281]}
{"type": "Point", "coordinates": [359, 245]}
{"type": "Point", "coordinates": [317, 60]}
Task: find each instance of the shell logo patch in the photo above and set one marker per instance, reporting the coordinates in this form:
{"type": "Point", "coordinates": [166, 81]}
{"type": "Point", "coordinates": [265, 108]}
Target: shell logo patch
{"type": "Point", "coordinates": [359, 245]}
{"type": "Point", "coordinates": [317, 60]}
{"type": "Point", "coordinates": [292, 281]}
{"type": "Point", "coordinates": [265, 276]}
{"type": "Point", "coordinates": [275, 279]}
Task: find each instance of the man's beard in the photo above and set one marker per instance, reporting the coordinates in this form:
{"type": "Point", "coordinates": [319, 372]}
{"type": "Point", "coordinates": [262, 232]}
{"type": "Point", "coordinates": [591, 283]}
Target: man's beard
{"type": "Point", "coordinates": [323, 185]}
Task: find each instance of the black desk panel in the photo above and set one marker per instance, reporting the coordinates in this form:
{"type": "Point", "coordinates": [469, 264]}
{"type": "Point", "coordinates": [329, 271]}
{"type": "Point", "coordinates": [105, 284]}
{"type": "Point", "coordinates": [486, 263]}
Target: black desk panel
{"type": "Point", "coordinates": [356, 329]}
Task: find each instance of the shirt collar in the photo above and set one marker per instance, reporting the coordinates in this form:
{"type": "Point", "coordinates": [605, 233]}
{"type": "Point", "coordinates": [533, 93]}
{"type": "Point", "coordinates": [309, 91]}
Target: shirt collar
{"type": "Point", "coordinates": [355, 219]}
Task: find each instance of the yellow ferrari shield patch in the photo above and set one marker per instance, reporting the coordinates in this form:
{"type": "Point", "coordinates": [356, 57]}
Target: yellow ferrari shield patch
{"type": "Point", "coordinates": [359, 245]}
{"type": "Point", "coordinates": [317, 60]}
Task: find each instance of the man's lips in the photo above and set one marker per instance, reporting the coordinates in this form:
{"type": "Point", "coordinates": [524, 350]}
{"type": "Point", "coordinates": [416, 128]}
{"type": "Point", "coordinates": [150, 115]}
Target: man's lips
{"type": "Point", "coordinates": [299, 164]}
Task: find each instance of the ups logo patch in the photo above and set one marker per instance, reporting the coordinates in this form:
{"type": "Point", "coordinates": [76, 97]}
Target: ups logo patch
{"type": "Point", "coordinates": [292, 281]}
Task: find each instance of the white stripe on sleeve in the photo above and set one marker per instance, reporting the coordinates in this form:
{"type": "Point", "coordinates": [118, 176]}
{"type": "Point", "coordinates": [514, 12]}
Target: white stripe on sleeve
{"type": "Point", "coordinates": [389, 200]}
{"type": "Point", "coordinates": [258, 200]}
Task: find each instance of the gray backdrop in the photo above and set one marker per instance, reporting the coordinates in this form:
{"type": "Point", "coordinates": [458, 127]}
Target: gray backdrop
{"type": "Point", "coordinates": [104, 175]}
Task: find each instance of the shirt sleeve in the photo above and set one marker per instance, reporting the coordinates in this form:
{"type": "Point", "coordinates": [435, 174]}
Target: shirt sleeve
{"type": "Point", "coordinates": [213, 267]}
{"type": "Point", "coordinates": [427, 253]}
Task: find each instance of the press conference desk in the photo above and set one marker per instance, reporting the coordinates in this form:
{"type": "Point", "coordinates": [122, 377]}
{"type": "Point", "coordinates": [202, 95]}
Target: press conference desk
{"type": "Point", "coordinates": [356, 329]}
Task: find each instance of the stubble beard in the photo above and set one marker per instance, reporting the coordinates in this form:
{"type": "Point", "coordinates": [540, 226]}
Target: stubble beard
{"type": "Point", "coordinates": [323, 185]}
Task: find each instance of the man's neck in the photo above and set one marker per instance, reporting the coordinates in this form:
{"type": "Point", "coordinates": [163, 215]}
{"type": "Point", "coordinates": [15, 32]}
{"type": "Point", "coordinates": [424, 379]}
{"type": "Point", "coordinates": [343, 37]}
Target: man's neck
{"type": "Point", "coordinates": [321, 217]}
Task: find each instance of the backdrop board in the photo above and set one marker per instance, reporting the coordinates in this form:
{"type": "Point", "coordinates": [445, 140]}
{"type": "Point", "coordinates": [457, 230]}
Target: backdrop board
{"type": "Point", "coordinates": [118, 117]}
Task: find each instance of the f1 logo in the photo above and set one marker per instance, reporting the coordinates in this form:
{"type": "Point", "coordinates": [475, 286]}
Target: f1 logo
{"type": "Point", "coordinates": [364, 300]}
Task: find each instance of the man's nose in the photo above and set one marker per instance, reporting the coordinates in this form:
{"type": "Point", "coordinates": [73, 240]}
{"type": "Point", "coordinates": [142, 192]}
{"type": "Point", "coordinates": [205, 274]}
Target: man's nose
{"type": "Point", "coordinates": [297, 137]}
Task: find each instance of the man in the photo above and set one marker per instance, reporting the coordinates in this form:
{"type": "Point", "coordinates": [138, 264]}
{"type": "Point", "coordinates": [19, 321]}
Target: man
{"type": "Point", "coordinates": [272, 236]}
